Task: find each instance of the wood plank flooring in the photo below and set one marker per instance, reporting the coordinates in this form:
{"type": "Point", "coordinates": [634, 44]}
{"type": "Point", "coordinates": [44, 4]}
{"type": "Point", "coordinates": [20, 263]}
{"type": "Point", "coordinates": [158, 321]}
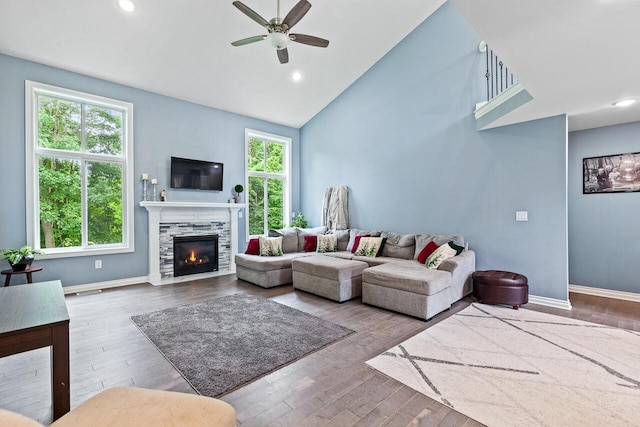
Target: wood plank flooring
{"type": "Point", "coordinates": [332, 387]}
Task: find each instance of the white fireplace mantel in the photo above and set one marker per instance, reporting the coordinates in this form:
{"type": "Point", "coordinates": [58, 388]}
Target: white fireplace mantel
{"type": "Point", "coordinates": [162, 212]}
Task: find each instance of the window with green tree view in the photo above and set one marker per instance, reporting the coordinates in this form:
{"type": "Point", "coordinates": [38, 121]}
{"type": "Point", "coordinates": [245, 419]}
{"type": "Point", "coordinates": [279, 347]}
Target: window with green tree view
{"type": "Point", "coordinates": [80, 163]}
{"type": "Point", "coordinates": [268, 169]}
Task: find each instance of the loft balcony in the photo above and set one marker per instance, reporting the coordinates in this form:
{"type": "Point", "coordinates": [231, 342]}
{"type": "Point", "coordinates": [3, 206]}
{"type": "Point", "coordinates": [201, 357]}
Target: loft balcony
{"type": "Point", "coordinates": [504, 92]}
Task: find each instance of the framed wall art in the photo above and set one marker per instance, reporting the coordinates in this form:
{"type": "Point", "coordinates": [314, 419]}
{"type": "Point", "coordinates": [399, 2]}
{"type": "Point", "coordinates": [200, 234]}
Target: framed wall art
{"type": "Point", "coordinates": [618, 173]}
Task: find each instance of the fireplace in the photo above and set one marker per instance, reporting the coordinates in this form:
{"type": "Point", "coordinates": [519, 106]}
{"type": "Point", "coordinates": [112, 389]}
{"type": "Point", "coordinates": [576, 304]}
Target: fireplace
{"type": "Point", "coordinates": [195, 254]}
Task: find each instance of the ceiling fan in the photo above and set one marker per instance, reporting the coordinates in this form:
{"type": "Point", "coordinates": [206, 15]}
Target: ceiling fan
{"type": "Point", "coordinates": [278, 29]}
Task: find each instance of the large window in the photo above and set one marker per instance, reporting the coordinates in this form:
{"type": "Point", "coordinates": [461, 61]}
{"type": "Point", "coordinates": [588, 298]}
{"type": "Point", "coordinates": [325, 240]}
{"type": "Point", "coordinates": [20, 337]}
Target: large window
{"type": "Point", "coordinates": [268, 182]}
{"type": "Point", "coordinates": [79, 172]}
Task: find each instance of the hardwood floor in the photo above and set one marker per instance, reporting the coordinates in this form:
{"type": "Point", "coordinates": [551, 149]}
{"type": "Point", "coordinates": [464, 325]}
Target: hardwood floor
{"type": "Point", "coordinates": [331, 387]}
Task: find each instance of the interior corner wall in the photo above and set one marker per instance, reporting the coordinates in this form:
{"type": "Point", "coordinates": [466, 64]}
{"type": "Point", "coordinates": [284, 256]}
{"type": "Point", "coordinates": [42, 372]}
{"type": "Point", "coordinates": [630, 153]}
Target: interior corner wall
{"type": "Point", "coordinates": [604, 247]}
{"type": "Point", "coordinates": [163, 127]}
{"type": "Point", "coordinates": [403, 139]}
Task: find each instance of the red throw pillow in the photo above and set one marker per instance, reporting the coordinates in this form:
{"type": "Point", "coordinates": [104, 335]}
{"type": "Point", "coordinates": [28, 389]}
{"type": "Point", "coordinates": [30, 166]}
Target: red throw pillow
{"type": "Point", "coordinates": [253, 248]}
{"type": "Point", "coordinates": [310, 243]}
{"type": "Point", "coordinates": [356, 242]}
{"type": "Point", "coordinates": [428, 250]}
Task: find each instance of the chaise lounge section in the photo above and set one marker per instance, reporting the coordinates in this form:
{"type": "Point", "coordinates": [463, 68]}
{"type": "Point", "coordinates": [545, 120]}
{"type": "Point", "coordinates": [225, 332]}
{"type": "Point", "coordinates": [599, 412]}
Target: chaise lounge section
{"type": "Point", "coordinates": [271, 271]}
{"type": "Point", "coordinates": [410, 288]}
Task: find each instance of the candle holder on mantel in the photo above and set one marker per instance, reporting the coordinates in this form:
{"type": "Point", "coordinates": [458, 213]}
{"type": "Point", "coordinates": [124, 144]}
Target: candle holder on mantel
{"type": "Point", "coordinates": [154, 184]}
{"type": "Point", "coordinates": [145, 178]}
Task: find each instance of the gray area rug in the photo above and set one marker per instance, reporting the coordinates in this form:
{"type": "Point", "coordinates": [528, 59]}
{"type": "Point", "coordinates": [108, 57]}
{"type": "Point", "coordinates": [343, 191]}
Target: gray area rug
{"type": "Point", "coordinates": [504, 367]}
{"type": "Point", "coordinates": [221, 344]}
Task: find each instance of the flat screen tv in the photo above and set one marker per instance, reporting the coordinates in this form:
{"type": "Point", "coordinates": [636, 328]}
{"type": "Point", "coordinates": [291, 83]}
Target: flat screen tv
{"type": "Point", "coordinates": [196, 174]}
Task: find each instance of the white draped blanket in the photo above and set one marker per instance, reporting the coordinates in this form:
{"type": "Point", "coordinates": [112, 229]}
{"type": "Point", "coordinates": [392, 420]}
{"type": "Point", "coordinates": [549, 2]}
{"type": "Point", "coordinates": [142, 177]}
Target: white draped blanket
{"type": "Point", "coordinates": [335, 210]}
{"type": "Point", "coordinates": [506, 367]}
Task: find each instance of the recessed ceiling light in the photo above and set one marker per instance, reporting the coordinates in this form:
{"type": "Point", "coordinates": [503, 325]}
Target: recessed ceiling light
{"type": "Point", "coordinates": [296, 76]}
{"type": "Point", "coordinates": [624, 102]}
{"type": "Point", "coordinates": [126, 5]}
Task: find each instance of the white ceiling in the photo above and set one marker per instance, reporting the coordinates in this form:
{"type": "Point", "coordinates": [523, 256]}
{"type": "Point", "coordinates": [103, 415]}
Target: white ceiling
{"type": "Point", "coordinates": [573, 56]}
{"type": "Point", "coordinates": [183, 48]}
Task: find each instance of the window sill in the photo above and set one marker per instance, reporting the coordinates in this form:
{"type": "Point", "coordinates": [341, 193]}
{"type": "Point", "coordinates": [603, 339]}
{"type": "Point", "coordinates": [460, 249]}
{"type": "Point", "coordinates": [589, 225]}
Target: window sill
{"type": "Point", "coordinates": [75, 252]}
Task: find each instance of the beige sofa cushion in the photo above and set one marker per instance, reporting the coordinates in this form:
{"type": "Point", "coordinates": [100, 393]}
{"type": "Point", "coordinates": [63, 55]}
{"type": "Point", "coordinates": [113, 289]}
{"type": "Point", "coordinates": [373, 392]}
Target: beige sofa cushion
{"type": "Point", "coordinates": [264, 263]}
{"type": "Point", "coordinates": [329, 267]}
{"type": "Point", "coordinates": [340, 254]}
{"type": "Point", "coordinates": [378, 260]}
{"type": "Point", "coordinates": [289, 238]}
{"type": "Point", "coordinates": [399, 245]}
{"type": "Point", "coordinates": [410, 276]}
{"type": "Point", "coordinates": [355, 232]}
{"type": "Point", "coordinates": [308, 232]}
{"type": "Point", "coordinates": [423, 240]}
{"type": "Point", "coordinates": [343, 238]}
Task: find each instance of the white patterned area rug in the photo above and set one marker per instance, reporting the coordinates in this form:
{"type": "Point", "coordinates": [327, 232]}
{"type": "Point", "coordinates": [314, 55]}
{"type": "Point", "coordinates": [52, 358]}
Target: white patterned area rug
{"type": "Point", "coordinates": [506, 367]}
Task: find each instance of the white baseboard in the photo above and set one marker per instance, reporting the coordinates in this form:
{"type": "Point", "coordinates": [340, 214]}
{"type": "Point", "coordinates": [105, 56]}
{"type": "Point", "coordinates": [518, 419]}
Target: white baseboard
{"type": "Point", "coordinates": [137, 280]}
{"type": "Point", "coordinates": [550, 302]}
{"type": "Point", "coordinates": [105, 285]}
{"type": "Point", "coordinates": [607, 293]}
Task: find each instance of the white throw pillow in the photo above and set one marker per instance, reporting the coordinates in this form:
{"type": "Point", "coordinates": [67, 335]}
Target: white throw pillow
{"type": "Point", "coordinates": [327, 243]}
{"type": "Point", "coordinates": [270, 246]}
{"type": "Point", "coordinates": [439, 255]}
{"type": "Point", "coordinates": [369, 246]}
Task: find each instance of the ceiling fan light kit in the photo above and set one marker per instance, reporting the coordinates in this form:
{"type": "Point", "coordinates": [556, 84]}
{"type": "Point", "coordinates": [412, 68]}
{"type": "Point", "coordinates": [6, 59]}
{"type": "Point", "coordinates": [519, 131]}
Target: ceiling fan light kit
{"type": "Point", "coordinates": [278, 29]}
{"type": "Point", "coordinates": [278, 40]}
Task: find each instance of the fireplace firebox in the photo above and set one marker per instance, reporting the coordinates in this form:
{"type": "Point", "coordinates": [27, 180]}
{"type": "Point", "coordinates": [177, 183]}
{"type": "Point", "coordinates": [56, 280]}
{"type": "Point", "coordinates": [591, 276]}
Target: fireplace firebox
{"type": "Point", "coordinates": [195, 254]}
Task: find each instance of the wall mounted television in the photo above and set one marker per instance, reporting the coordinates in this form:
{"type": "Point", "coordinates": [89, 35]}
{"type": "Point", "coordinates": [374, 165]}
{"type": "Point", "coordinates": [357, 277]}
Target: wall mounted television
{"type": "Point", "coordinates": [196, 174]}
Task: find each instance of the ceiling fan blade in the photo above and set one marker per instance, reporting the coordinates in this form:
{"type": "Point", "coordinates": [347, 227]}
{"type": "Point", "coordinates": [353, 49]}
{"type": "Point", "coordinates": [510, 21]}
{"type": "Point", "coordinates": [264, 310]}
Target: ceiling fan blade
{"type": "Point", "coordinates": [251, 14]}
{"type": "Point", "coordinates": [249, 40]}
{"type": "Point", "coordinates": [296, 14]}
{"type": "Point", "coordinates": [283, 55]}
{"type": "Point", "coordinates": [310, 40]}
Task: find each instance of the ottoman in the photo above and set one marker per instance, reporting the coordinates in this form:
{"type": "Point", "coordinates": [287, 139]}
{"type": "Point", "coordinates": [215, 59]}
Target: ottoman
{"type": "Point", "coordinates": [500, 287]}
{"type": "Point", "coordinates": [334, 278]}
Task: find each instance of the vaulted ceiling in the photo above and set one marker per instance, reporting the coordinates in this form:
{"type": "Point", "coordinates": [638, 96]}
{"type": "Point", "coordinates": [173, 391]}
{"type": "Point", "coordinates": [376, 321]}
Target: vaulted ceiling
{"type": "Point", "coordinates": [573, 56]}
{"type": "Point", "coordinates": [183, 48]}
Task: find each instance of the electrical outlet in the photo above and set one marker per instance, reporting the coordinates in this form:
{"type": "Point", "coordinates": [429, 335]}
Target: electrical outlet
{"type": "Point", "coordinates": [522, 216]}
{"type": "Point", "coordinates": [98, 263]}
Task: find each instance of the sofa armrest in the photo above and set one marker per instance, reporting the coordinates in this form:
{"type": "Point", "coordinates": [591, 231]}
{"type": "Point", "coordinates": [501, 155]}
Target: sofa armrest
{"type": "Point", "coordinates": [461, 267]}
{"type": "Point", "coordinates": [466, 259]}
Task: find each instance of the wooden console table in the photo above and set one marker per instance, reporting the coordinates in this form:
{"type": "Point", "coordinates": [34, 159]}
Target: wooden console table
{"type": "Point", "coordinates": [35, 316]}
{"type": "Point", "coordinates": [30, 269]}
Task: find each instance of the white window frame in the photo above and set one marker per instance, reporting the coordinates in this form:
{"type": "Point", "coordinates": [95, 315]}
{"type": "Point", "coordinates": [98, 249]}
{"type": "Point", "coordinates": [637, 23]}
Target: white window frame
{"type": "Point", "coordinates": [32, 91]}
{"type": "Point", "coordinates": [286, 177]}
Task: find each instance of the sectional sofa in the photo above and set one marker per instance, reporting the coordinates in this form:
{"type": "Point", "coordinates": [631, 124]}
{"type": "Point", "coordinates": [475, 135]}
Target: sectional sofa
{"type": "Point", "coordinates": [395, 280]}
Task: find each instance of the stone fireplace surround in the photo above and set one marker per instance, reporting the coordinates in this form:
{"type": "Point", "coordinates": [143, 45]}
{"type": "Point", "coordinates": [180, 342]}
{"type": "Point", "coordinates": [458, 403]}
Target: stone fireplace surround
{"type": "Point", "coordinates": [169, 218]}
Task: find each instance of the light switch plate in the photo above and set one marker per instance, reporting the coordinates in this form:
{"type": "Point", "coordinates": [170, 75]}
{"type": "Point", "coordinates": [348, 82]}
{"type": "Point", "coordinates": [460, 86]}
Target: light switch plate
{"type": "Point", "coordinates": [522, 216]}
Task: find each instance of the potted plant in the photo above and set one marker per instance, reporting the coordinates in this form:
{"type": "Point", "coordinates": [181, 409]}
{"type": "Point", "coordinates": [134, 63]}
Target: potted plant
{"type": "Point", "coordinates": [20, 259]}
{"type": "Point", "coordinates": [299, 221]}
{"type": "Point", "coordinates": [238, 190]}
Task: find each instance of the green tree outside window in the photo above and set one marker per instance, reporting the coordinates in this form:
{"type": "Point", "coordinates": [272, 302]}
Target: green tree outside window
{"type": "Point", "coordinates": [267, 190]}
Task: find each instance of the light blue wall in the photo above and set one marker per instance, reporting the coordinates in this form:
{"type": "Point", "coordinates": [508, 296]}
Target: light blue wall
{"type": "Point", "coordinates": [163, 127]}
{"type": "Point", "coordinates": [604, 243]}
{"type": "Point", "coordinates": [404, 140]}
